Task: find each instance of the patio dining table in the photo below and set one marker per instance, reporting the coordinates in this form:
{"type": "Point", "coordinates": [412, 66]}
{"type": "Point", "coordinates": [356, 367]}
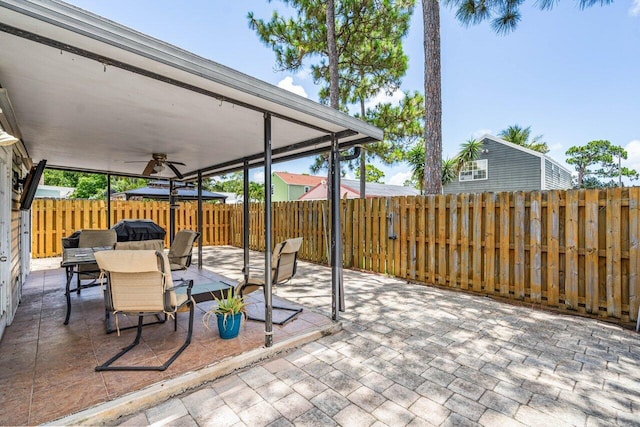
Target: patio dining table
{"type": "Point", "coordinates": [71, 259]}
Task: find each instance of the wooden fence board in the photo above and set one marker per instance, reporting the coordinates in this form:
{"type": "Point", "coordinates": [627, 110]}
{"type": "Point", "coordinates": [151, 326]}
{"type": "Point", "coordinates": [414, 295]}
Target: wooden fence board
{"type": "Point", "coordinates": [519, 238]}
{"type": "Point", "coordinates": [490, 243]}
{"type": "Point", "coordinates": [535, 247]}
{"type": "Point", "coordinates": [634, 252]}
{"type": "Point", "coordinates": [404, 237]}
{"type": "Point", "coordinates": [504, 243]}
{"type": "Point", "coordinates": [571, 250]}
{"type": "Point", "coordinates": [614, 279]}
{"type": "Point", "coordinates": [465, 233]}
{"type": "Point", "coordinates": [411, 206]}
{"type": "Point", "coordinates": [441, 276]}
{"type": "Point", "coordinates": [431, 239]}
{"type": "Point", "coordinates": [477, 242]}
{"type": "Point", "coordinates": [421, 255]}
{"type": "Point", "coordinates": [454, 261]}
{"type": "Point", "coordinates": [375, 234]}
{"type": "Point", "coordinates": [553, 248]}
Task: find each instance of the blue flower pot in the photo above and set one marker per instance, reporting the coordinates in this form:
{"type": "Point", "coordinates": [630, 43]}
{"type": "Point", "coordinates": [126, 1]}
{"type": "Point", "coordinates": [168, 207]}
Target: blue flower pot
{"type": "Point", "coordinates": [231, 327]}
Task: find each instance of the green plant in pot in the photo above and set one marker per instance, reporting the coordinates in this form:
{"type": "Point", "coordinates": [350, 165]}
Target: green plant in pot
{"type": "Point", "coordinates": [229, 313]}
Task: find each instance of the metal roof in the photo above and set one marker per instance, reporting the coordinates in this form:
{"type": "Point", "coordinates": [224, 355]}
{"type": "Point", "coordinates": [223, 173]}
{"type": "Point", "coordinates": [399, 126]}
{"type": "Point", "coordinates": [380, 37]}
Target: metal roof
{"type": "Point", "coordinates": [87, 93]}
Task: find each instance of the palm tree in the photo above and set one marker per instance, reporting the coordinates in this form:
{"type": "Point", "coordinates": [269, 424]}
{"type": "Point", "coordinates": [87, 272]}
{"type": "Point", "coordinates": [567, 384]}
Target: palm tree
{"type": "Point", "coordinates": [469, 152]}
{"type": "Point", "coordinates": [449, 170]}
{"type": "Point", "coordinates": [504, 16]}
{"type": "Point", "coordinates": [415, 158]}
{"type": "Point", "coordinates": [519, 135]}
{"type": "Point", "coordinates": [450, 167]}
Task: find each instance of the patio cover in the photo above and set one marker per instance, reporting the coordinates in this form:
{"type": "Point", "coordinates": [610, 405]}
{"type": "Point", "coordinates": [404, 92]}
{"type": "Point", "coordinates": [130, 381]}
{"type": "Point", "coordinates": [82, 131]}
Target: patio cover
{"type": "Point", "coordinates": [89, 94]}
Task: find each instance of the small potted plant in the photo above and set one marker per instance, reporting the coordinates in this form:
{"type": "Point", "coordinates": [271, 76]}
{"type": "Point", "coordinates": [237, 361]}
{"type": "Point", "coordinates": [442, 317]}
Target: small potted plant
{"type": "Point", "coordinates": [229, 313]}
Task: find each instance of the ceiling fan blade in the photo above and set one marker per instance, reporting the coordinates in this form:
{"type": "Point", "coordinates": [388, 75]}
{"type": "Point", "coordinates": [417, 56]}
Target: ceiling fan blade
{"type": "Point", "coordinates": [148, 170]}
{"type": "Point", "coordinates": [177, 163]}
{"type": "Point", "coordinates": [175, 170]}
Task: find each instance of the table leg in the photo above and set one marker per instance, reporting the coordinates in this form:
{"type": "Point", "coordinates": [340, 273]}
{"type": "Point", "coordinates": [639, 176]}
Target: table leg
{"type": "Point", "coordinates": [67, 293]}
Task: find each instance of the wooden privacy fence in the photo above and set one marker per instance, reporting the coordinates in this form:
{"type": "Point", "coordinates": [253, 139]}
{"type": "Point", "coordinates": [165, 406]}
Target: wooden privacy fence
{"type": "Point", "coordinates": [576, 250]}
{"type": "Point", "coordinates": [54, 219]}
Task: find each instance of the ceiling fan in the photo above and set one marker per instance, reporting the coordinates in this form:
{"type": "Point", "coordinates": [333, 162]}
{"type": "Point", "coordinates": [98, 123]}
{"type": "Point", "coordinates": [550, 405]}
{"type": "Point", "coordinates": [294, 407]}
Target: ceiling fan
{"type": "Point", "coordinates": [158, 163]}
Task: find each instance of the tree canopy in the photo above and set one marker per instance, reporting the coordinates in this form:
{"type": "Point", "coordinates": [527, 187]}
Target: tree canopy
{"type": "Point", "coordinates": [504, 16]}
{"type": "Point", "coordinates": [599, 159]}
{"type": "Point", "coordinates": [368, 54]}
{"type": "Point", "coordinates": [522, 136]}
{"type": "Point", "coordinates": [234, 183]}
{"type": "Point", "coordinates": [88, 185]}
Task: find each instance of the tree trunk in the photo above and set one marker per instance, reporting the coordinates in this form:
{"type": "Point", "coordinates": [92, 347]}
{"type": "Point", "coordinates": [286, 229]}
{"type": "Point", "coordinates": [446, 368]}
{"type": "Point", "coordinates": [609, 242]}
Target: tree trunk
{"type": "Point", "coordinates": [363, 161]}
{"type": "Point", "coordinates": [433, 98]}
{"type": "Point", "coordinates": [333, 55]}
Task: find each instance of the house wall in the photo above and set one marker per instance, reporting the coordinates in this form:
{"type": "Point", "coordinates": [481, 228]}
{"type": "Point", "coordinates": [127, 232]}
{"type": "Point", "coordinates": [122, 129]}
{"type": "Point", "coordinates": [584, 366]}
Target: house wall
{"type": "Point", "coordinates": [296, 191]}
{"type": "Point", "coordinates": [280, 189]}
{"type": "Point", "coordinates": [15, 236]}
{"type": "Point", "coordinates": [555, 177]}
{"type": "Point", "coordinates": [509, 169]}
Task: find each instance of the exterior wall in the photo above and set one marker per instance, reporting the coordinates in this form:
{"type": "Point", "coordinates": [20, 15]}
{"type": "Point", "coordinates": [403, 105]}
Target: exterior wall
{"type": "Point", "coordinates": [280, 189]}
{"type": "Point", "coordinates": [16, 266]}
{"type": "Point", "coordinates": [555, 177]}
{"type": "Point", "coordinates": [297, 191]}
{"type": "Point", "coordinates": [508, 169]}
{"type": "Point", "coordinates": [319, 192]}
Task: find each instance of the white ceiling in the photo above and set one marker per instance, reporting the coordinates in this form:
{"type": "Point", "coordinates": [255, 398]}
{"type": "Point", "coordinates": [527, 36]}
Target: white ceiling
{"type": "Point", "coordinates": [90, 94]}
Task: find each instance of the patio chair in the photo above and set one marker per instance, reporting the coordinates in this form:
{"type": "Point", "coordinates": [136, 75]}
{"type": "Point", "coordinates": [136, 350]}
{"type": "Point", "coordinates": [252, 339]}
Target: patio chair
{"type": "Point", "coordinates": [284, 263]}
{"type": "Point", "coordinates": [155, 245]}
{"type": "Point", "coordinates": [93, 239]}
{"type": "Point", "coordinates": [139, 284]}
{"type": "Point", "coordinates": [181, 249]}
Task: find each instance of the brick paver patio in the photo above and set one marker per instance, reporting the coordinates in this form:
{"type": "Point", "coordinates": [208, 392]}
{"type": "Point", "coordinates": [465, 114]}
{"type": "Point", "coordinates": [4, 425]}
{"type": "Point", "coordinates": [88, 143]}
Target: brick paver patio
{"type": "Point", "coordinates": [416, 355]}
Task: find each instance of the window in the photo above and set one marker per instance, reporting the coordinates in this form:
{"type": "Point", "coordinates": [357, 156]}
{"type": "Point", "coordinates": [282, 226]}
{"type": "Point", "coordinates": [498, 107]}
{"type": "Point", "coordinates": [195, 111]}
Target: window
{"type": "Point", "coordinates": [474, 171]}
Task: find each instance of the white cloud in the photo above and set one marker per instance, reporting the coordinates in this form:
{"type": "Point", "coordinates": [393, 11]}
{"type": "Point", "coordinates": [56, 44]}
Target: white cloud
{"type": "Point", "coordinates": [399, 178]}
{"type": "Point", "coordinates": [635, 8]}
{"type": "Point", "coordinates": [383, 97]}
{"type": "Point", "coordinates": [287, 84]}
{"type": "Point", "coordinates": [481, 132]}
{"type": "Point", "coordinates": [633, 155]}
{"type": "Point", "coordinates": [303, 74]}
{"type": "Point", "coordinates": [258, 177]}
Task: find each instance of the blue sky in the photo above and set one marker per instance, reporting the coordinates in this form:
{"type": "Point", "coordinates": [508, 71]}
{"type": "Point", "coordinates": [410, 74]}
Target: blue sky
{"type": "Point", "coordinates": [572, 75]}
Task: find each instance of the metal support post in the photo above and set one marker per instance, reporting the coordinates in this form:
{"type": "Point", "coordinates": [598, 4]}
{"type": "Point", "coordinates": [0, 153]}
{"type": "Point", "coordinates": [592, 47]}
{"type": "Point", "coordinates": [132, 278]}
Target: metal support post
{"type": "Point", "coordinates": [108, 200]}
{"type": "Point", "coordinates": [245, 219]}
{"type": "Point", "coordinates": [200, 220]}
{"type": "Point", "coordinates": [268, 304]}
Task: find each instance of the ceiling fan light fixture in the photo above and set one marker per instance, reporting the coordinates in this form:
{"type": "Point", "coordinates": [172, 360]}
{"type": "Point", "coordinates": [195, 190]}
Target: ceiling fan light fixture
{"type": "Point", "coordinates": [7, 139]}
{"type": "Point", "coordinates": [159, 167]}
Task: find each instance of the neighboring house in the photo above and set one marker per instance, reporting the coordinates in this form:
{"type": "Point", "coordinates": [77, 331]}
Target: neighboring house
{"type": "Point", "coordinates": [350, 189]}
{"type": "Point", "coordinates": [290, 186]}
{"type": "Point", "coordinates": [53, 192]}
{"type": "Point", "coordinates": [504, 166]}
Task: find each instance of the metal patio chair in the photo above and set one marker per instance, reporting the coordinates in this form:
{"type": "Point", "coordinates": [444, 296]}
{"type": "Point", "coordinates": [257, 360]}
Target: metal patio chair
{"type": "Point", "coordinates": [139, 284]}
{"type": "Point", "coordinates": [181, 249]}
{"type": "Point", "coordinates": [284, 263]}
